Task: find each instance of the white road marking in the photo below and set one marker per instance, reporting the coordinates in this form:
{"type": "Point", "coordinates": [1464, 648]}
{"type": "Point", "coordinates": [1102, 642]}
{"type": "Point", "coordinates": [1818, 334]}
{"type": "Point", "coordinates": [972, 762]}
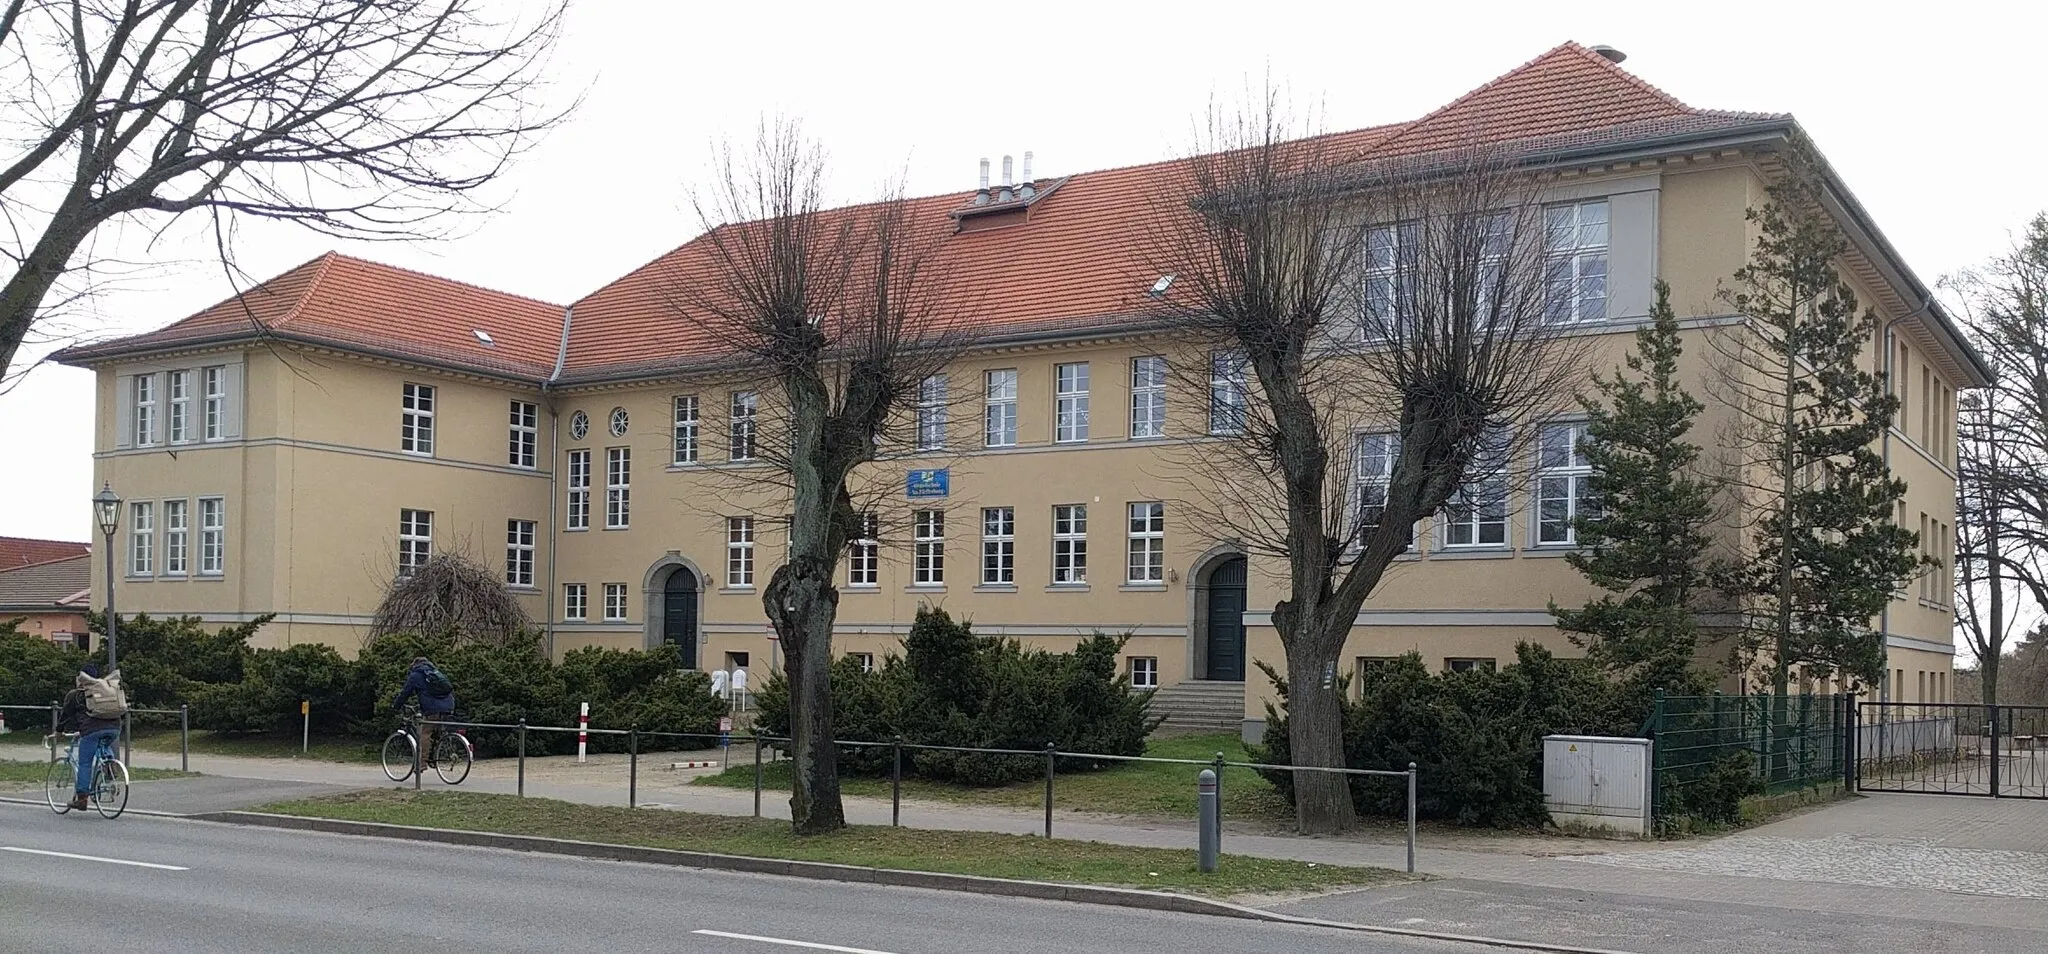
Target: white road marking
{"type": "Point", "coordinates": [789, 943]}
{"type": "Point", "coordinates": [111, 861]}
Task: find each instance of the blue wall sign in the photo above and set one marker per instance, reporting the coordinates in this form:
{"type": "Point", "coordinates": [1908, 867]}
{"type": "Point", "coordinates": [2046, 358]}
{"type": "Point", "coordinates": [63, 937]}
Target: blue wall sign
{"type": "Point", "coordinates": [927, 483]}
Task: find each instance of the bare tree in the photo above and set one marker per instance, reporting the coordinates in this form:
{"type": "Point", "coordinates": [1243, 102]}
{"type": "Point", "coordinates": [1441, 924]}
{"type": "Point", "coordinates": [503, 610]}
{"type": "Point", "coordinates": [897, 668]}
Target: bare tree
{"type": "Point", "coordinates": [356, 118]}
{"type": "Point", "coordinates": [455, 594]}
{"type": "Point", "coordinates": [1400, 297]}
{"type": "Point", "coordinates": [2002, 451]}
{"type": "Point", "coordinates": [840, 308]}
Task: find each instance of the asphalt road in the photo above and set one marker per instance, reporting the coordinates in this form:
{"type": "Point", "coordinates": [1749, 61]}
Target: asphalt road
{"type": "Point", "coordinates": [150, 884]}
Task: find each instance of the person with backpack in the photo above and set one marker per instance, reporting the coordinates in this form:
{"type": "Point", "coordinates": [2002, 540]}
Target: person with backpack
{"type": "Point", "coordinates": [436, 693]}
{"type": "Point", "coordinates": [93, 709]}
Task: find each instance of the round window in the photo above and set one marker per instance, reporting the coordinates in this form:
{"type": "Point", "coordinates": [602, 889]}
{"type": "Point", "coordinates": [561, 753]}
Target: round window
{"type": "Point", "coordinates": [579, 425]}
{"type": "Point", "coordinates": [618, 422]}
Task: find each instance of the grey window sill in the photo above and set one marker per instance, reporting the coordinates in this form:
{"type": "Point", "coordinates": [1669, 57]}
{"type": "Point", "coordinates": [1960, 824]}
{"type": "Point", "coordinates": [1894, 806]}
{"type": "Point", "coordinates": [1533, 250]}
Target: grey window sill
{"type": "Point", "coordinates": [861, 588]}
{"type": "Point", "coordinates": [1551, 550]}
{"type": "Point", "coordinates": [925, 588]}
{"type": "Point", "coordinates": [1473, 553]}
{"type": "Point", "coordinates": [523, 588]}
{"type": "Point", "coordinates": [575, 529]}
{"type": "Point", "coordinates": [996, 588]}
{"type": "Point", "coordinates": [210, 577]}
{"type": "Point", "coordinates": [737, 590]}
{"type": "Point", "coordinates": [1142, 588]}
{"type": "Point", "coordinates": [1067, 588]}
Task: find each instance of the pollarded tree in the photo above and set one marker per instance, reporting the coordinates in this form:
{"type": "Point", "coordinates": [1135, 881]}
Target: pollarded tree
{"type": "Point", "coordinates": [839, 309]}
{"type": "Point", "coordinates": [1270, 237]}
{"type": "Point", "coordinates": [1825, 553]}
{"type": "Point", "coordinates": [1646, 542]}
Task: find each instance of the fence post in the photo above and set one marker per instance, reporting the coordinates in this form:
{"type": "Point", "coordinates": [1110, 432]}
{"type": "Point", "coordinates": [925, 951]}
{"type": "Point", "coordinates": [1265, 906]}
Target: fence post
{"type": "Point", "coordinates": [184, 737]}
{"type": "Point", "coordinates": [1849, 734]}
{"type": "Point", "coordinates": [633, 767]}
{"type": "Point", "coordinates": [522, 756]}
{"type": "Point", "coordinates": [1411, 818]}
{"type": "Point", "coordinates": [896, 782]}
{"type": "Point", "coordinates": [1993, 727]}
{"type": "Point", "coordinates": [1048, 789]}
{"type": "Point", "coordinates": [1219, 801]}
{"type": "Point", "coordinates": [52, 737]}
{"type": "Point", "coordinates": [419, 756]}
{"type": "Point", "coordinates": [128, 738]}
{"type": "Point", "coordinates": [757, 774]}
{"type": "Point", "coordinates": [1208, 821]}
{"type": "Point", "coordinates": [583, 734]}
{"type": "Point", "coordinates": [1657, 726]}
{"type": "Point", "coordinates": [305, 726]}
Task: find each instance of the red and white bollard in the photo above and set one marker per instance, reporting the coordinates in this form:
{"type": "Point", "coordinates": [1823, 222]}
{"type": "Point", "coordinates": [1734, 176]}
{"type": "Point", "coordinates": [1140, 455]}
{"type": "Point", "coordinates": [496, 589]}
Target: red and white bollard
{"type": "Point", "coordinates": [583, 734]}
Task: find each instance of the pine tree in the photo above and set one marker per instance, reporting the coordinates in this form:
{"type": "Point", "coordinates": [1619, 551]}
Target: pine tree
{"type": "Point", "coordinates": [1645, 543]}
{"type": "Point", "coordinates": [1827, 554]}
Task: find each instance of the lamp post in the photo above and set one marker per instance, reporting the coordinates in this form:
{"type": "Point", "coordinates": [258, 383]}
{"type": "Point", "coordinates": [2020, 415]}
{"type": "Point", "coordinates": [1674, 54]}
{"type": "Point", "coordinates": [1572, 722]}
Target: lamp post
{"type": "Point", "coordinates": [107, 507]}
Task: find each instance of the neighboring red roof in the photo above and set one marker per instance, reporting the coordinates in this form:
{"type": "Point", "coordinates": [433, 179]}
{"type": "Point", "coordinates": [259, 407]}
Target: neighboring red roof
{"type": "Point", "coordinates": [25, 551]}
{"type": "Point", "coordinates": [350, 302]}
{"type": "Point", "coordinates": [1067, 262]}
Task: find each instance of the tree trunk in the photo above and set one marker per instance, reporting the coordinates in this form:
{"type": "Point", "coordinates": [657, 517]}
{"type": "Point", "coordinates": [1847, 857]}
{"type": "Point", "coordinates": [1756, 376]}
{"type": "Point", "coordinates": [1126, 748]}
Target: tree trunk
{"type": "Point", "coordinates": [804, 605]}
{"type": "Point", "coordinates": [1315, 735]}
{"type": "Point", "coordinates": [23, 297]}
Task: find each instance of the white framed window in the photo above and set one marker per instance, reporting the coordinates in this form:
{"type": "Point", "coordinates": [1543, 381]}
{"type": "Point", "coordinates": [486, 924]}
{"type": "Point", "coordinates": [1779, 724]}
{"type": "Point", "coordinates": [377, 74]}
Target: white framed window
{"type": "Point", "coordinates": [1148, 397]}
{"type": "Point", "coordinates": [1390, 250]}
{"type": "Point", "coordinates": [214, 383]}
{"type": "Point", "coordinates": [145, 409]}
{"type": "Point", "coordinates": [1481, 664]}
{"type": "Point", "coordinates": [928, 541]}
{"type": "Point", "coordinates": [1372, 474]}
{"type": "Point", "coordinates": [739, 551]}
{"type": "Point", "coordinates": [1147, 543]}
{"type": "Point", "coordinates": [523, 442]}
{"type": "Point", "coordinates": [575, 601]}
{"type": "Point", "coordinates": [416, 420]}
{"type": "Point", "coordinates": [740, 431]}
{"type": "Point", "coordinates": [1144, 672]}
{"type": "Point", "coordinates": [177, 538]}
{"type": "Point", "coordinates": [999, 410]}
{"type": "Point", "coordinates": [1070, 544]}
{"type": "Point", "coordinates": [619, 420]}
{"type": "Point", "coordinates": [213, 536]}
{"type": "Point", "coordinates": [864, 551]}
{"type": "Point", "coordinates": [180, 429]}
{"type": "Point", "coordinates": [577, 515]}
{"type": "Point", "coordinates": [1564, 480]}
{"type": "Point", "coordinates": [618, 488]}
{"type": "Point", "coordinates": [141, 538]}
{"type": "Point", "coordinates": [1477, 515]}
{"type": "Point", "coordinates": [998, 546]}
{"type": "Point", "coordinates": [415, 540]}
{"type": "Point", "coordinates": [1070, 402]}
{"type": "Point", "coordinates": [685, 432]}
{"type": "Point", "coordinates": [519, 552]}
{"type": "Point", "coordinates": [866, 661]}
{"type": "Point", "coordinates": [931, 413]}
{"type": "Point", "coordinates": [1228, 383]}
{"type": "Point", "coordinates": [614, 602]}
{"type": "Point", "coordinates": [1575, 264]}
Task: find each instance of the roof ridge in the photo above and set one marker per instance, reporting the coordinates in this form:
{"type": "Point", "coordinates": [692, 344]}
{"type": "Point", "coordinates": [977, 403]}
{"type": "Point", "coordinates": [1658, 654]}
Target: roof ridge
{"type": "Point", "coordinates": [325, 260]}
{"type": "Point", "coordinates": [29, 566]}
{"type": "Point", "coordinates": [1568, 46]}
{"type": "Point", "coordinates": [1614, 67]}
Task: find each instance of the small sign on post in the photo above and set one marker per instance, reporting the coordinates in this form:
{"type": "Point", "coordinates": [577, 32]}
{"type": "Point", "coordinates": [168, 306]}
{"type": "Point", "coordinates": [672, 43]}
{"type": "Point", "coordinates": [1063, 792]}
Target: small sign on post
{"type": "Point", "coordinates": [725, 731]}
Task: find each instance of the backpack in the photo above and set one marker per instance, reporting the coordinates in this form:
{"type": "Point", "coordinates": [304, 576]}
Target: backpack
{"type": "Point", "coordinates": [438, 682]}
{"type": "Point", "coordinates": [103, 697]}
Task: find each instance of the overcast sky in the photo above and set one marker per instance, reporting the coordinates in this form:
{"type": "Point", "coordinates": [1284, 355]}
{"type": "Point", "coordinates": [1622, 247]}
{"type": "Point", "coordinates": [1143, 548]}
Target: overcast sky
{"type": "Point", "coordinates": [1932, 118]}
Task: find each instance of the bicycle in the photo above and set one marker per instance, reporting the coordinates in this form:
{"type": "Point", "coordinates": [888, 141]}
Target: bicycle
{"type": "Point", "coordinates": [451, 758]}
{"type": "Point", "coordinates": [109, 792]}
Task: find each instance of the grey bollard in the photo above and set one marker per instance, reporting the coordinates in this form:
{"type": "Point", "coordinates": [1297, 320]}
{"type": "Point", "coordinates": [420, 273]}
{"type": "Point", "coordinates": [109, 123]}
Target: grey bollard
{"type": "Point", "coordinates": [1209, 821]}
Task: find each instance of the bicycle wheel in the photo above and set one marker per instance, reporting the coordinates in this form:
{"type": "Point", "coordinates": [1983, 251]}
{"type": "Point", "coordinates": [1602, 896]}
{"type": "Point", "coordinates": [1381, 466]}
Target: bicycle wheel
{"type": "Point", "coordinates": [58, 783]}
{"type": "Point", "coordinates": [452, 756]}
{"type": "Point", "coordinates": [110, 788]}
{"type": "Point", "coordinates": [399, 752]}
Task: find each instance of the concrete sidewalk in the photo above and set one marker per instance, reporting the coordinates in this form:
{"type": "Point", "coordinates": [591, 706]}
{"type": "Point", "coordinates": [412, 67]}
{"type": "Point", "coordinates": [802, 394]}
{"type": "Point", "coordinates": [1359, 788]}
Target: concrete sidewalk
{"type": "Point", "coordinates": [1882, 873]}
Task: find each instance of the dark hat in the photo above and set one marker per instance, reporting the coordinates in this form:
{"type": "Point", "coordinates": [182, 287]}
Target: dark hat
{"type": "Point", "coordinates": [91, 669]}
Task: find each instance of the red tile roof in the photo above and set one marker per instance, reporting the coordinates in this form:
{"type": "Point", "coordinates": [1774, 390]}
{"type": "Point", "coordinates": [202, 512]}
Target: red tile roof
{"type": "Point", "coordinates": [24, 551]}
{"type": "Point", "coordinates": [1070, 264]}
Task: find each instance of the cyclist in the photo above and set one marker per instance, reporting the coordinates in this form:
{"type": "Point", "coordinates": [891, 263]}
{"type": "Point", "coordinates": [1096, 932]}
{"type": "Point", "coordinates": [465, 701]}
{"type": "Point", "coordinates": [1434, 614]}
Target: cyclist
{"type": "Point", "coordinates": [436, 694]}
{"type": "Point", "coordinates": [98, 723]}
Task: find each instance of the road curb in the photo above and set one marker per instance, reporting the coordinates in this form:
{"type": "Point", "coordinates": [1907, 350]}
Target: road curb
{"type": "Point", "coordinates": [972, 884]}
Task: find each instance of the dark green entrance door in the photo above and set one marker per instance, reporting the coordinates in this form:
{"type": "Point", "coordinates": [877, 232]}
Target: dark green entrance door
{"type": "Point", "coordinates": [679, 614]}
{"type": "Point", "coordinates": [1226, 621]}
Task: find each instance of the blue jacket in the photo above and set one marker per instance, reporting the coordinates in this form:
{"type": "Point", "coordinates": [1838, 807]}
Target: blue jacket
{"type": "Point", "coordinates": [416, 685]}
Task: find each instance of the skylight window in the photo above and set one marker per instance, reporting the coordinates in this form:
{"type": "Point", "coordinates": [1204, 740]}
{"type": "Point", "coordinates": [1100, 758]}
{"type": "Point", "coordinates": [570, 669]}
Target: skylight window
{"type": "Point", "coordinates": [1159, 287]}
{"type": "Point", "coordinates": [483, 336]}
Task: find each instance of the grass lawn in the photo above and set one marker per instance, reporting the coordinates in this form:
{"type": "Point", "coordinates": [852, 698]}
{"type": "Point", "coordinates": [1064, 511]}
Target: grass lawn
{"type": "Point", "coordinates": [971, 853]}
{"type": "Point", "coordinates": [1133, 788]}
{"type": "Point", "coordinates": [17, 775]}
{"type": "Point", "coordinates": [258, 746]}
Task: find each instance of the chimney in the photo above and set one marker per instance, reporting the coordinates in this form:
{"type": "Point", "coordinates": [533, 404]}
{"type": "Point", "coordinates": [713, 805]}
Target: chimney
{"type": "Point", "coordinates": [1613, 55]}
{"type": "Point", "coordinates": [981, 195]}
{"type": "Point", "coordinates": [1006, 172]}
{"type": "Point", "coordinates": [1027, 168]}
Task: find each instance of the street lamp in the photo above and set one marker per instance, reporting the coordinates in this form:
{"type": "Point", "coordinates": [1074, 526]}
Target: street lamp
{"type": "Point", "coordinates": [107, 506]}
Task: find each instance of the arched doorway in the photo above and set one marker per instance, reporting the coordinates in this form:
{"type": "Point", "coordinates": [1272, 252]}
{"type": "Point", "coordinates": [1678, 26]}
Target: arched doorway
{"type": "Point", "coordinates": [679, 614]}
{"type": "Point", "coordinates": [1224, 622]}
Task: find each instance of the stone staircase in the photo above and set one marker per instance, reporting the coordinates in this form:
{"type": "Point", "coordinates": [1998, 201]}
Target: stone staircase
{"type": "Point", "coordinates": [1199, 707]}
